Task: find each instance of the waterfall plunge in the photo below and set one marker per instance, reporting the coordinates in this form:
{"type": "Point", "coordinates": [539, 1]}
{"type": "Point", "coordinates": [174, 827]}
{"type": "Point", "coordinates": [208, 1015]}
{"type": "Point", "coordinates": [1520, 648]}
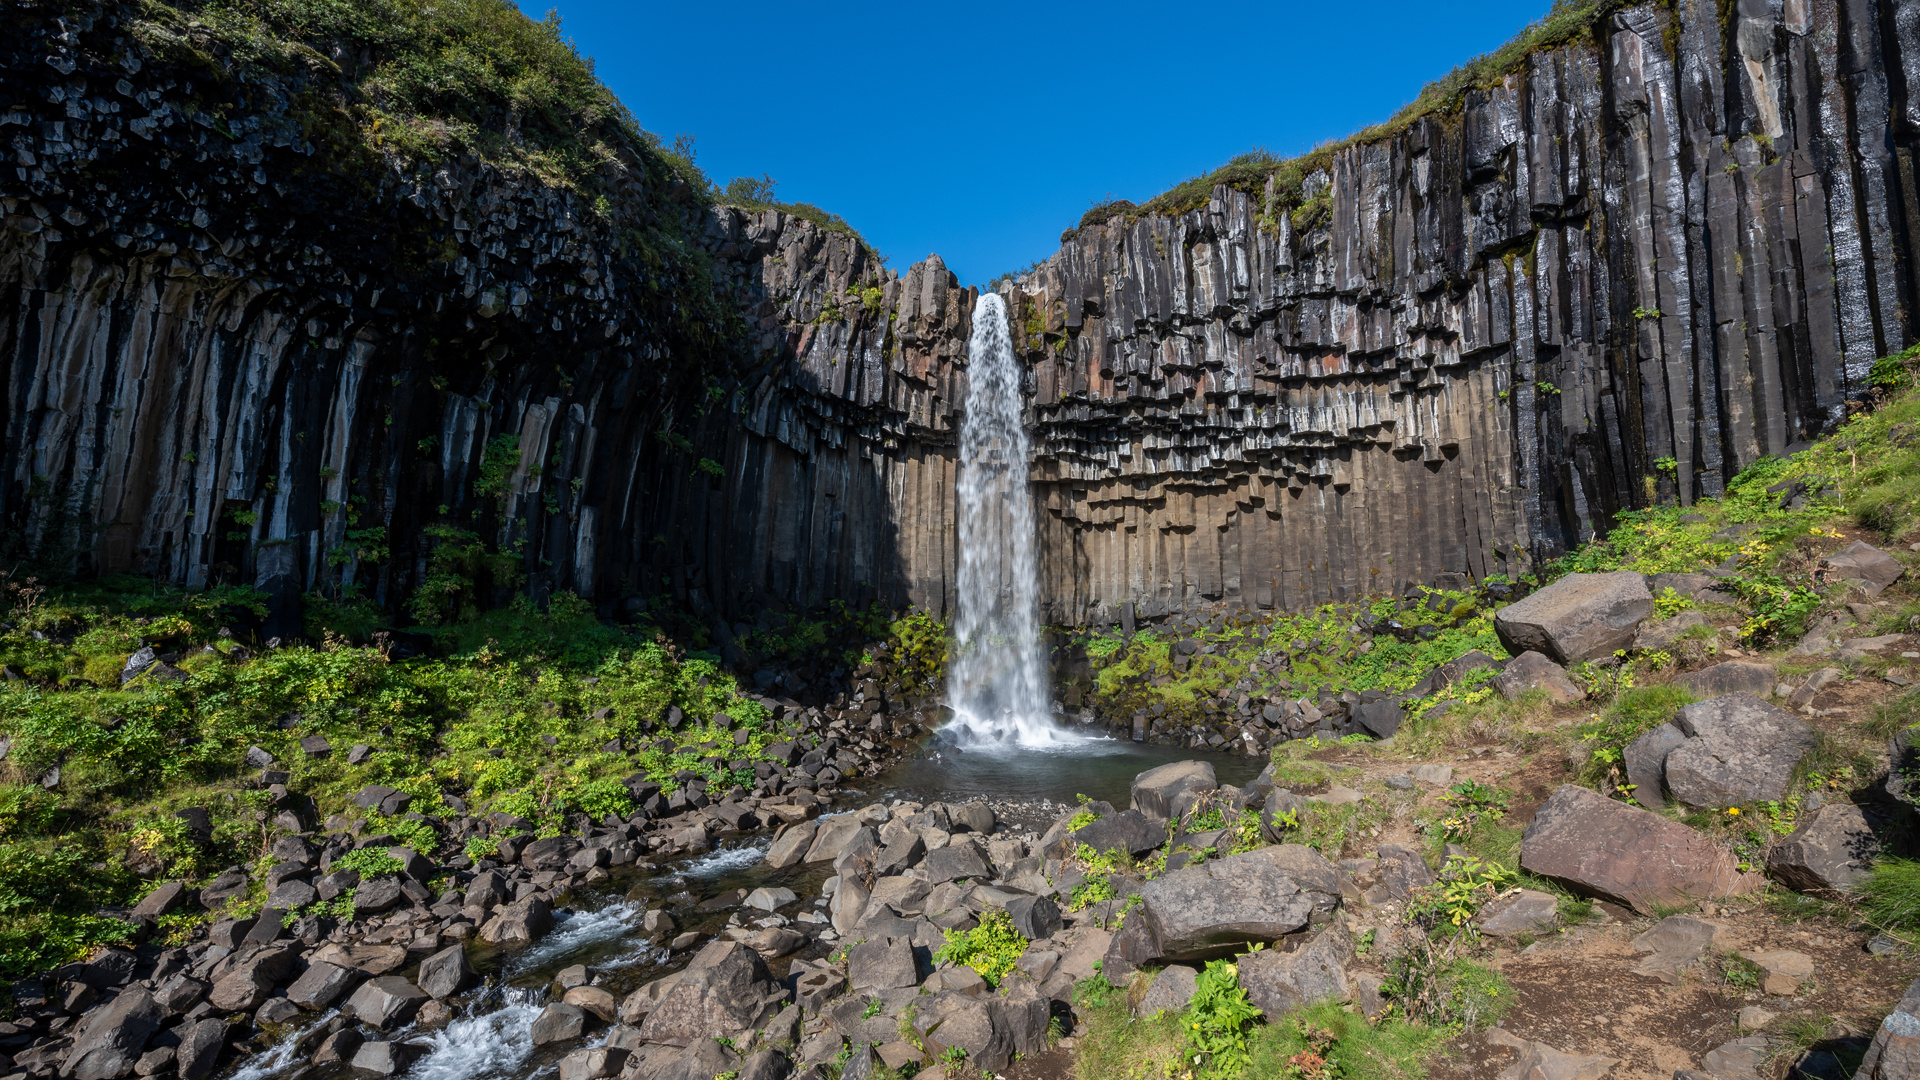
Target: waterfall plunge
{"type": "Point", "coordinates": [997, 682]}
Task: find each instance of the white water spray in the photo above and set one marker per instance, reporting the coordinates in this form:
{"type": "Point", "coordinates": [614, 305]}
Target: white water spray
{"type": "Point", "coordinates": [997, 684]}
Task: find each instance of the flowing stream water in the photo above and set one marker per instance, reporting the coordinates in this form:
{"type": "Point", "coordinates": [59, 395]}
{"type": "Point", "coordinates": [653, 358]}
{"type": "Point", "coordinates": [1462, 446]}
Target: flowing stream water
{"type": "Point", "coordinates": [997, 681]}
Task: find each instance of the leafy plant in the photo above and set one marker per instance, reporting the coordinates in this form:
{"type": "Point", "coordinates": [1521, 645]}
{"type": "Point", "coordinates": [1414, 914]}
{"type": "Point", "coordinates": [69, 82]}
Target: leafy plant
{"type": "Point", "coordinates": [1219, 1017]}
{"type": "Point", "coordinates": [991, 948]}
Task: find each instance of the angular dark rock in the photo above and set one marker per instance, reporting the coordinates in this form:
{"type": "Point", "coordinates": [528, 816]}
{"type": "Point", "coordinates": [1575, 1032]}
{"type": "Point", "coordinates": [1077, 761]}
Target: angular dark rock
{"type": "Point", "coordinates": [955, 862]}
{"type": "Point", "coordinates": [1534, 671]}
{"type": "Point", "coordinates": [1155, 790]}
{"type": "Point", "coordinates": [1382, 718]}
{"type": "Point", "coordinates": [1402, 870]}
{"type": "Point", "coordinates": [1829, 852]}
{"type": "Point", "coordinates": [321, 985]}
{"type": "Point", "coordinates": [109, 1039]}
{"type": "Point", "coordinates": [1579, 617]}
{"type": "Point", "coordinates": [386, 1002]}
{"type": "Point", "coordinates": [1213, 909]}
{"type": "Point", "coordinates": [446, 972]}
{"type": "Point", "coordinates": [381, 1057]}
{"type": "Point", "coordinates": [1731, 677]}
{"type": "Point", "coordinates": [168, 898]}
{"type": "Point", "coordinates": [1622, 853]}
{"type": "Point", "coordinates": [200, 1047]}
{"type": "Point", "coordinates": [520, 923]}
{"type": "Point", "coordinates": [1739, 750]}
{"type": "Point", "coordinates": [1278, 983]}
{"type": "Point", "coordinates": [1129, 831]}
{"type": "Point", "coordinates": [1862, 562]}
{"type": "Point", "coordinates": [882, 964]}
{"type": "Point", "coordinates": [951, 1019]}
{"type": "Point", "coordinates": [559, 1022]}
{"type": "Point", "coordinates": [724, 989]}
{"type": "Point", "coordinates": [1646, 762]}
{"type": "Point", "coordinates": [1894, 1053]}
{"type": "Point", "coordinates": [1035, 917]}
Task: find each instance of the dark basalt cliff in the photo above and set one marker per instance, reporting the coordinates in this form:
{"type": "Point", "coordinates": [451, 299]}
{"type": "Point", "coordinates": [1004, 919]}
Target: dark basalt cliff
{"type": "Point", "coordinates": [239, 343]}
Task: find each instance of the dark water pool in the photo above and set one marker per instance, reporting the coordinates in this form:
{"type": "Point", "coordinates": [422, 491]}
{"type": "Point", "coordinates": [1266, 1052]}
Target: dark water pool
{"type": "Point", "coordinates": [1098, 768]}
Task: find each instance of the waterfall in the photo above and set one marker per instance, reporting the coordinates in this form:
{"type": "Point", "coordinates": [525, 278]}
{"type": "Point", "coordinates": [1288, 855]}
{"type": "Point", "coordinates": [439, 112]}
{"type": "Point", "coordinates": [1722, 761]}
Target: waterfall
{"type": "Point", "coordinates": [997, 681]}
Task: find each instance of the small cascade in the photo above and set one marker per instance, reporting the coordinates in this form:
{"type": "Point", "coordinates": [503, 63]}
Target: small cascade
{"type": "Point", "coordinates": [997, 681]}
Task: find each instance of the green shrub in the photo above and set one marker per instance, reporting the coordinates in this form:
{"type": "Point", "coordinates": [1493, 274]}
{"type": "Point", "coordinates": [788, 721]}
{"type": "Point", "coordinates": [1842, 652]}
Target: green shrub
{"type": "Point", "coordinates": [1219, 1018]}
{"type": "Point", "coordinates": [367, 862]}
{"type": "Point", "coordinates": [991, 948]}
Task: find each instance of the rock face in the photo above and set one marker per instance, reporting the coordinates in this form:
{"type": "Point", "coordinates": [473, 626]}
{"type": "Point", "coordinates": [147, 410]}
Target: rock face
{"type": "Point", "coordinates": [1260, 399]}
{"type": "Point", "coordinates": [1625, 854]}
{"type": "Point", "coordinates": [1579, 617]}
{"type": "Point", "coordinates": [1739, 749]}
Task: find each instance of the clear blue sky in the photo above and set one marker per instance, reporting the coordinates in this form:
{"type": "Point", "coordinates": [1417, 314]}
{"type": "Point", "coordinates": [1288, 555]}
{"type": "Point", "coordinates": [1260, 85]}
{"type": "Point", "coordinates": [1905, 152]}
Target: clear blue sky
{"type": "Point", "coordinates": [981, 131]}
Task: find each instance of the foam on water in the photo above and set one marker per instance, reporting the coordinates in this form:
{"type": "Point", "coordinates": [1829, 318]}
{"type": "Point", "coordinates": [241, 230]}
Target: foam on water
{"type": "Point", "coordinates": [997, 682]}
{"type": "Point", "coordinates": [726, 860]}
{"type": "Point", "coordinates": [283, 1056]}
{"type": "Point", "coordinates": [581, 930]}
{"type": "Point", "coordinates": [493, 1043]}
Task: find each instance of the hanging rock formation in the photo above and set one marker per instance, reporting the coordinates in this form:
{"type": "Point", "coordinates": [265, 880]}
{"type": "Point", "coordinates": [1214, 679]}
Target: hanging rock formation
{"type": "Point", "coordinates": [240, 345]}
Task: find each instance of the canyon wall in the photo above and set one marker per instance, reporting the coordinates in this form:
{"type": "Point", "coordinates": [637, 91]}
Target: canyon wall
{"type": "Point", "coordinates": [1633, 266]}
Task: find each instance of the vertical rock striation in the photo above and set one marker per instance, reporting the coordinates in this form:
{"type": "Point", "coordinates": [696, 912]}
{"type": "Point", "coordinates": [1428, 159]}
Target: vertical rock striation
{"type": "Point", "coordinates": [240, 346]}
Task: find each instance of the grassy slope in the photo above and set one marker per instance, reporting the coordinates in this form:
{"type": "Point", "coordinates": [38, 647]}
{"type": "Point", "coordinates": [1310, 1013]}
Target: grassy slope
{"type": "Point", "coordinates": [1870, 473]}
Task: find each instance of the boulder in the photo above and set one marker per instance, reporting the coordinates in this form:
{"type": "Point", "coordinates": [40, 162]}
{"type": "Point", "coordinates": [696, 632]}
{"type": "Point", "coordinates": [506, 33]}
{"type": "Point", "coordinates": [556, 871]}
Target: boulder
{"type": "Point", "coordinates": [1402, 870]}
{"type": "Point", "coordinates": [166, 899]}
{"type": "Point", "coordinates": [882, 964]}
{"type": "Point", "coordinates": [1579, 617]}
{"type": "Point", "coordinates": [1740, 1059]}
{"type": "Point", "coordinates": [725, 989]}
{"type": "Point", "coordinates": [776, 941]}
{"type": "Point", "coordinates": [957, 861]}
{"type": "Point", "coordinates": [559, 1022]}
{"type": "Point", "coordinates": [447, 972]}
{"type": "Point", "coordinates": [108, 1040]}
{"type": "Point", "coordinates": [381, 1057]}
{"type": "Point", "coordinates": [849, 904]}
{"type": "Point", "coordinates": [791, 846]}
{"type": "Point", "coordinates": [1382, 717]}
{"type": "Point", "coordinates": [1731, 677]}
{"type": "Point", "coordinates": [1872, 568]}
{"type": "Point", "coordinates": [1129, 831]}
{"type": "Point", "coordinates": [1277, 983]}
{"type": "Point", "coordinates": [1646, 762]}
{"type": "Point", "coordinates": [520, 923]}
{"type": "Point", "coordinates": [975, 1025]}
{"type": "Point", "coordinates": [179, 993]}
{"type": "Point", "coordinates": [1782, 970]}
{"type": "Point", "coordinates": [1659, 635]}
{"type": "Point", "coordinates": [386, 1002]}
{"type": "Point", "coordinates": [1894, 1053]}
{"type": "Point", "coordinates": [1155, 790]}
{"type": "Point", "coordinates": [594, 1001]}
{"type": "Point", "coordinates": [250, 976]}
{"type": "Point", "coordinates": [1829, 852]}
{"type": "Point", "coordinates": [321, 985]}
{"type": "Point", "coordinates": [1673, 944]}
{"type": "Point", "coordinates": [1739, 749]}
{"type": "Point", "coordinates": [1034, 917]}
{"type": "Point", "coordinates": [765, 899]}
{"type": "Point", "coordinates": [1170, 991]}
{"type": "Point", "coordinates": [833, 836]}
{"type": "Point", "coordinates": [339, 1047]}
{"type": "Point", "coordinates": [1216, 908]}
{"type": "Point", "coordinates": [1625, 854]}
{"type": "Point", "coordinates": [975, 817]}
{"type": "Point", "coordinates": [1535, 671]}
{"type": "Point", "coordinates": [593, 1063]}
{"type": "Point", "coordinates": [1524, 912]}
{"type": "Point", "coordinates": [1452, 672]}
{"type": "Point", "coordinates": [199, 1049]}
